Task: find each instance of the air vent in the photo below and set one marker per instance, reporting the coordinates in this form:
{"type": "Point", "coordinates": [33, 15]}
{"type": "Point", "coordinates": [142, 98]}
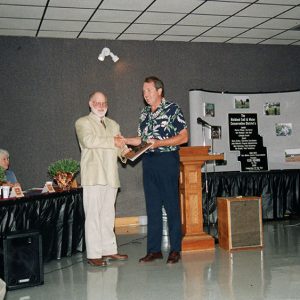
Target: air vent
{"type": "Point", "coordinates": [296, 28]}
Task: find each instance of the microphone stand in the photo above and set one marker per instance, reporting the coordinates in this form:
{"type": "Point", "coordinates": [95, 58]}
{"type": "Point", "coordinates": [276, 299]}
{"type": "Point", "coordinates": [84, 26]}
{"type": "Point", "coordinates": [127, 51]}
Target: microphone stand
{"type": "Point", "coordinates": [206, 183]}
{"type": "Point", "coordinates": [206, 200]}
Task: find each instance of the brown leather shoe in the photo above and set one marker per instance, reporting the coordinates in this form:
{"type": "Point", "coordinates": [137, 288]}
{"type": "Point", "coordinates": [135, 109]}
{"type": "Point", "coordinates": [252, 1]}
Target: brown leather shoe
{"type": "Point", "coordinates": [97, 262]}
{"type": "Point", "coordinates": [115, 257]}
{"type": "Point", "coordinates": [151, 256]}
{"type": "Point", "coordinates": [174, 257]}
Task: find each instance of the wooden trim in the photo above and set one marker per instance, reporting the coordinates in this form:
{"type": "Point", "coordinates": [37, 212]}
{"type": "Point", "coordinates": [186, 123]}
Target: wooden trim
{"type": "Point", "coordinates": [128, 225]}
{"type": "Point", "coordinates": [127, 221]}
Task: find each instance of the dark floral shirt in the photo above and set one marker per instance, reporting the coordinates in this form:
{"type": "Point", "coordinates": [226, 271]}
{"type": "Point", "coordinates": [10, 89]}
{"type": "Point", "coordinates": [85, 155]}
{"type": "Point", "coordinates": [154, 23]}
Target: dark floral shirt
{"type": "Point", "coordinates": [167, 121]}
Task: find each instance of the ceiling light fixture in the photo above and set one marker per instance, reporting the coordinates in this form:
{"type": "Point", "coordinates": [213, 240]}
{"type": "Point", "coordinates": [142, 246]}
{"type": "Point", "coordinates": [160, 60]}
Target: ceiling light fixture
{"type": "Point", "coordinates": [106, 52]}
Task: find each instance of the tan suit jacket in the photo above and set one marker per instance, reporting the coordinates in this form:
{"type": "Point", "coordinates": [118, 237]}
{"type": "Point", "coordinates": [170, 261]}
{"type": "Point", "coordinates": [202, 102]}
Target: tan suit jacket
{"type": "Point", "coordinates": [98, 153]}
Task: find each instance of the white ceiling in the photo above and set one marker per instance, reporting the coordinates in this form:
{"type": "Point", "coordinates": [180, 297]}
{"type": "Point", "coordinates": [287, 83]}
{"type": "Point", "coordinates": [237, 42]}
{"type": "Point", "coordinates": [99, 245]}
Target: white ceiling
{"type": "Point", "coordinates": [226, 21]}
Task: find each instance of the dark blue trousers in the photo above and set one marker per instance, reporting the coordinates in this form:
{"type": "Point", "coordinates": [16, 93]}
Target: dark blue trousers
{"type": "Point", "coordinates": [161, 187]}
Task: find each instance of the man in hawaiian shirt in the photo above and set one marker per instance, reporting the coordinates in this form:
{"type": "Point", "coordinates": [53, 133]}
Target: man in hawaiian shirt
{"type": "Point", "coordinates": [162, 123]}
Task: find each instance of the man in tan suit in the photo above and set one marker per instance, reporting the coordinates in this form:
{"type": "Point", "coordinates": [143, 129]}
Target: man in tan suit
{"type": "Point", "coordinates": [101, 144]}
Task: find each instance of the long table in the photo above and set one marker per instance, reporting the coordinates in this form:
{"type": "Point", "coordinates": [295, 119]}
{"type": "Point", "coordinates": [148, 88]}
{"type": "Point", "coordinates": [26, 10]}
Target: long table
{"type": "Point", "coordinates": [279, 189]}
{"type": "Point", "coordinates": [59, 217]}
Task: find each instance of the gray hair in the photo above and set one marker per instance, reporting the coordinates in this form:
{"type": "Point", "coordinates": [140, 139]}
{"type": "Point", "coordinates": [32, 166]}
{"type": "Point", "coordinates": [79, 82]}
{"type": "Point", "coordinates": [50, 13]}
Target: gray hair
{"type": "Point", "coordinates": [4, 153]}
{"type": "Point", "coordinates": [96, 92]}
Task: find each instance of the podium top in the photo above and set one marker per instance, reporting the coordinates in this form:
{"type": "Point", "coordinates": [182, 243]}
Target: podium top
{"type": "Point", "coordinates": [194, 150]}
{"type": "Point", "coordinates": [198, 153]}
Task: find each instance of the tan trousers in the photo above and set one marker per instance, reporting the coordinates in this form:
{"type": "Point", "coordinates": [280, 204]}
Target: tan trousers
{"type": "Point", "coordinates": [99, 209]}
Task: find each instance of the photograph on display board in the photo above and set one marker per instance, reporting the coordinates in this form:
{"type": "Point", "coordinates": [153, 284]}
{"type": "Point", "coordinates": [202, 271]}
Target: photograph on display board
{"type": "Point", "coordinates": [208, 109]}
{"type": "Point", "coordinates": [292, 155]}
{"type": "Point", "coordinates": [272, 109]}
{"type": "Point", "coordinates": [241, 102]}
{"type": "Point", "coordinates": [216, 132]}
{"type": "Point", "coordinates": [283, 129]}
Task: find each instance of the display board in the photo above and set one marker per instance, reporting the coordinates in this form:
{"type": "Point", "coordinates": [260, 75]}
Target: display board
{"type": "Point", "coordinates": [256, 132]}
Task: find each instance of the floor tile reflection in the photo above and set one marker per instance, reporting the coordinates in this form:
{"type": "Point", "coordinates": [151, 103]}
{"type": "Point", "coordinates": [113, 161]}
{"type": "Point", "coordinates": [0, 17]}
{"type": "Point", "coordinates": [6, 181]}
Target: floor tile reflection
{"type": "Point", "coordinates": [270, 273]}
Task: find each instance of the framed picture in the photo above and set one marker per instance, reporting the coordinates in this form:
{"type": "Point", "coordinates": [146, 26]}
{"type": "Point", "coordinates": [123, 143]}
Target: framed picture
{"type": "Point", "coordinates": [216, 132]}
{"type": "Point", "coordinates": [241, 102]}
{"type": "Point", "coordinates": [272, 109]}
{"type": "Point", "coordinates": [292, 155]}
{"type": "Point", "coordinates": [283, 129]}
{"type": "Point", "coordinates": [208, 109]}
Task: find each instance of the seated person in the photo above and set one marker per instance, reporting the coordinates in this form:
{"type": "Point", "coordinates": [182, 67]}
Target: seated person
{"type": "Point", "coordinates": [11, 179]}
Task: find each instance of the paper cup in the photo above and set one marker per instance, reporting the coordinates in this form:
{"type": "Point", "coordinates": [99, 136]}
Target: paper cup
{"type": "Point", "coordinates": [5, 191]}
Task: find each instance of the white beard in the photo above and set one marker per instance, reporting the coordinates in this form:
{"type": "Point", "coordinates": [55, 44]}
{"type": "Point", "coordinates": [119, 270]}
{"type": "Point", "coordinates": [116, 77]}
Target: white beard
{"type": "Point", "coordinates": [100, 114]}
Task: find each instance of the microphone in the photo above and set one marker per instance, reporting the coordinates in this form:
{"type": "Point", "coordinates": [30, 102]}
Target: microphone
{"type": "Point", "coordinates": [203, 123]}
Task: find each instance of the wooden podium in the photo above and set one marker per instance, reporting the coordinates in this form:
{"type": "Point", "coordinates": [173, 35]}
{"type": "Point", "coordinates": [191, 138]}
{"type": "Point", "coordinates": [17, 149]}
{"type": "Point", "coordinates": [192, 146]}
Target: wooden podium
{"type": "Point", "coordinates": [190, 189]}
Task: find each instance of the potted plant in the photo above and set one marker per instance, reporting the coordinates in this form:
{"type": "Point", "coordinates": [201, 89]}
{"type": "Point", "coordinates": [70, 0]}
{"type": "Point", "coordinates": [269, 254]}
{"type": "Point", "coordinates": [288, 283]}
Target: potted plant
{"type": "Point", "coordinates": [63, 172]}
{"type": "Point", "coordinates": [2, 175]}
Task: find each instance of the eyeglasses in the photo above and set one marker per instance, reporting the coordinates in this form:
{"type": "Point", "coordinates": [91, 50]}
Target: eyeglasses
{"type": "Point", "coordinates": [101, 104]}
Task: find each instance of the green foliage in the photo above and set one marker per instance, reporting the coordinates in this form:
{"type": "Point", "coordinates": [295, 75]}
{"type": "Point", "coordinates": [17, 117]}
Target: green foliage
{"type": "Point", "coordinates": [2, 174]}
{"type": "Point", "coordinates": [64, 165]}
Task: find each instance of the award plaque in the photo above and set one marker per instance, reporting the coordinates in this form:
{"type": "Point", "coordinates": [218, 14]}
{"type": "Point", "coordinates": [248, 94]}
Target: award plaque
{"type": "Point", "coordinates": [137, 151]}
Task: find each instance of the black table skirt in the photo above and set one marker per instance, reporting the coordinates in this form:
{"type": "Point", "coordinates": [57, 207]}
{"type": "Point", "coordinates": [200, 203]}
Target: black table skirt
{"type": "Point", "coordinates": [59, 217]}
{"type": "Point", "coordinates": [279, 189]}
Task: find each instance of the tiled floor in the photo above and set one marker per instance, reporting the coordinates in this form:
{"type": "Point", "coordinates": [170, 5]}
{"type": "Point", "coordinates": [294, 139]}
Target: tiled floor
{"type": "Point", "coordinates": [271, 273]}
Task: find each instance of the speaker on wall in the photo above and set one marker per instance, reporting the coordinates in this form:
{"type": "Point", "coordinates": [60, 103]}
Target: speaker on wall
{"type": "Point", "coordinates": [240, 222]}
{"type": "Point", "coordinates": [22, 261]}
